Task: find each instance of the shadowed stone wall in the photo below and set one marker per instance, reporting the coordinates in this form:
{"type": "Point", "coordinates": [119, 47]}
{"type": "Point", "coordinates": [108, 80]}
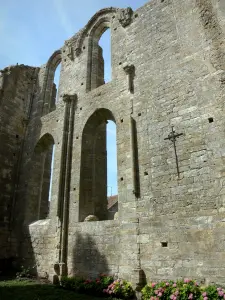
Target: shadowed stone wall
{"type": "Point", "coordinates": [168, 62]}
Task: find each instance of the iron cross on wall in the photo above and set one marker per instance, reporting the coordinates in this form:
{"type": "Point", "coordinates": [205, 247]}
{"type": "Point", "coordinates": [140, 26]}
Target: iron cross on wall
{"type": "Point", "coordinates": [172, 137]}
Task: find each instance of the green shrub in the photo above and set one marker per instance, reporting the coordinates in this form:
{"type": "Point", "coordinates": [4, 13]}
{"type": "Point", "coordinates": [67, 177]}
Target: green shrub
{"type": "Point", "coordinates": [87, 286]}
{"type": "Point", "coordinates": [120, 288]}
{"type": "Point", "coordinates": [72, 283]}
{"type": "Point", "coordinates": [24, 272]}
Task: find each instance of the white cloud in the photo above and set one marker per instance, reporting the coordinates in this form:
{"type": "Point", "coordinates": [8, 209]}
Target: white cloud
{"type": "Point", "coordinates": [63, 16]}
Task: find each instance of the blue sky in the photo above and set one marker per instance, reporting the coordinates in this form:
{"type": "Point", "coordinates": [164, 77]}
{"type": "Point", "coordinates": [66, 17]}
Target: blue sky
{"type": "Point", "coordinates": [30, 31]}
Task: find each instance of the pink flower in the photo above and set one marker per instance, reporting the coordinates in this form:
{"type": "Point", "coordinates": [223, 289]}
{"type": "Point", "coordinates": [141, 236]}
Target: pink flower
{"type": "Point", "coordinates": [174, 285]}
{"type": "Point", "coordinates": [104, 291]}
{"type": "Point", "coordinates": [223, 296]}
{"type": "Point", "coordinates": [156, 292]}
{"type": "Point", "coordinates": [219, 289]}
{"type": "Point", "coordinates": [205, 298]}
{"type": "Point", "coordinates": [204, 294]}
{"type": "Point", "coordinates": [190, 296]}
{"type": "Point", "coordinates": [159, 294]}
{"type": "Point", "coordinates": [153, 284]}
{"type": "Point", "coordinates": [221, 293]}
{"type": "Point", "coordinates": [171, 297]}
{"type": "Point", "coordinates": [167, 284]}
{"type": "Point", "coordinates": [186, 280]}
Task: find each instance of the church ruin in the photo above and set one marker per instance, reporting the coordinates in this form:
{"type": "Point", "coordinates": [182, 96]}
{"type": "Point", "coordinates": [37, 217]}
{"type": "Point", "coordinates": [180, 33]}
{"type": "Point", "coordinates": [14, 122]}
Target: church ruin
{"type": "Point", "coordinates": [166, 98]}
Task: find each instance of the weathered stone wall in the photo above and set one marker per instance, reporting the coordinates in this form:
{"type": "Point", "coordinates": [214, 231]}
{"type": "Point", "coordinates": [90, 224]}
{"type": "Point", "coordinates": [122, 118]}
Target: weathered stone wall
{"type": "Point", "coordinates": [168, 61]}
{"type": "Point", "coordinates": [15, 102]}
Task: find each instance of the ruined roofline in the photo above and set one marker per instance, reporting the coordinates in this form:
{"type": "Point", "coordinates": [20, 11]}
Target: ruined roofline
{"type": "Point", "coordinates": [17, 66]}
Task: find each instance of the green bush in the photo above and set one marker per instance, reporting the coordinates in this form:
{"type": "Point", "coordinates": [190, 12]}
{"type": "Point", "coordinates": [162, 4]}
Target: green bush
{"type": "Point", "coordinates": [120, 288]}
{"type": "Point", "coordinates": [87, 286]}
{"type": "Point", "coordinates": [181, 290]}
{"type": "Point", "coordinates": [72, 283]}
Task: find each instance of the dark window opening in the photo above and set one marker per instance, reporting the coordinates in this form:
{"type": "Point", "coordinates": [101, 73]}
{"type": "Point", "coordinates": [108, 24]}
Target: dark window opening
{"type": "Point", "coordinates": [210, 120]}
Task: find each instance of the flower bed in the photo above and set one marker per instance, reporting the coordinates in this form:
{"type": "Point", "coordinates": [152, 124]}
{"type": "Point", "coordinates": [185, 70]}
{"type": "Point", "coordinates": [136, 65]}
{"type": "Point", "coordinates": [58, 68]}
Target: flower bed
{"type": "Point", "coordinates": [103, 286]}
{"type": "Point", "coordinates": [181, 290]}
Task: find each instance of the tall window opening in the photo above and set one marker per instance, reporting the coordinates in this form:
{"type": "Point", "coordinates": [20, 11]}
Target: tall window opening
{"type": "Point", "coordinates": [51, 177]}
{"type": "Point", "coordinates": [39, 186]}
{"type": "Point", "coordinates": [105, 44]}
{"type": "Point", "coordinates": [112, 188]}
{"type": "Point", "coordinates": [99, 56]}
{"type": "Point", "coordinates": [55, 87]}
{"type": "Point", "coordinates": [93, 172]}
{"type": "Point", "coordinates": [51, 83]}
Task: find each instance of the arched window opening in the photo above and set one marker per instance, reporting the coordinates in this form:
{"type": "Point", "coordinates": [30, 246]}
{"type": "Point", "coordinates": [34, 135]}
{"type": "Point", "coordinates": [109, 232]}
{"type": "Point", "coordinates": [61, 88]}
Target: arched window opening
{"type": "Point", "coordinates": [105, 44]}
{"type": "Point", "coordinates": [39, 186]}
{"type": "Point", "coordinates": [51, 84]}
{"type": "Point", "coordinates": [99, 56]}
{"type": "Point", "coordinates": [52, 167]}
{"type": "Point", "coordinates": [112, 187]}
{"type": "Point", "coordinates": [94, 169]}
{"type": "Point", "coordinates": [55, 87]}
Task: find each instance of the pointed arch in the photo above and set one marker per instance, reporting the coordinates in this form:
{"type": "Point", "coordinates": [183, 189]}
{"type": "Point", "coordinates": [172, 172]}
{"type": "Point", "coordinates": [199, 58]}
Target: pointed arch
{"type": "Point", "coordinates": [101, 14]}
{"type": "Point", "coordinates": [39, 180]}
{"type": "Point", "coordinates": [93, 170]}
{"type": "Point", "coordinates": [49, 88]}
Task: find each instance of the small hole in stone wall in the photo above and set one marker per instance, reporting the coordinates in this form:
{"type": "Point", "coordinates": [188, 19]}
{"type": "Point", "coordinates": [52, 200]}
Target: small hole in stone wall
{"type": "Point", "coordinates": [57, 120]}
{"type": "Point", "coordinates": [113, 17]}
{"type": "Point", "coordinates": [145, 173]}
{"type": "Point", "coordinates": [17, 136]}
{"type": "Point", "coordinates": [83, 47]}
{"type": "Point", "coordinates": [162, 1]}
{"type": "Point", "coordinates": [58, 143]}
{"type": "Point", "coordinates": [120, 63]}
{"type": "Point", "coordinates": [64, 51]}
{"type": "Point", "coordinates": [64, 59]}
{"type": "Point", "coordinates": [82, 83]}
{"type": "Point", "coordinates": [14, 154]}
{"type": "Point", "coordinates": [115, 29]}
{"type": "Point", "coordinates": [77, 137]}
{"type": "Point", "coordinates": [210, 120]}
{"type": "Point", "coordinates": [80, 108]}
{"type": "Point", "coordinates": [136, 15]}
{"type": "Point", "coordinates": [121, 120]}
{"type": "Point", "coordinates": [27, 153]}
{"type": "Point", "coordinates": [139, 114]}
{"type": "Point", "coordinates": [74, 189]}
{"type": "Point", "coordinates": [164, 244]}
{"type": "Point", "coordinates": [23, 99]}
{"type": "Point", "coordinates": [121, 179]}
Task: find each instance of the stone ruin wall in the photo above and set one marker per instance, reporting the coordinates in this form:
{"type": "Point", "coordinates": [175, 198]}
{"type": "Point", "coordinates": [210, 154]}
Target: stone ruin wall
{"type": "Point", "coordinates": [168, 67]}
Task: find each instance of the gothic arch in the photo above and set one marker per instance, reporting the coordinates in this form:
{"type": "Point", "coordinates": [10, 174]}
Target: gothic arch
{"type": "Point", "coordinates": [49, 90]}
{"type": "Point", "coordinates": [93, 168]}
{"type": "Point", "coordinates": [39, 179]}
{"type": "Point", "coordinates": [105, 13]}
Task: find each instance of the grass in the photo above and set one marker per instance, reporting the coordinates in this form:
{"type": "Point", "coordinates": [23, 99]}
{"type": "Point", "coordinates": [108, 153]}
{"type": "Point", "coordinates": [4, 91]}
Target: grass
{"type": "Point", "coordinates": [33, 290]}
